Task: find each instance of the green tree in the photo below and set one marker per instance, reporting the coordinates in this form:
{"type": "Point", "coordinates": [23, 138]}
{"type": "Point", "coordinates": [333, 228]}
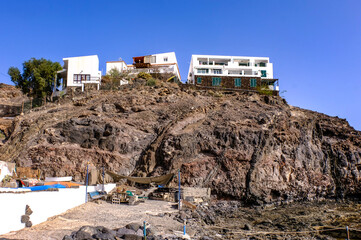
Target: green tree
{"type": "Point", "coordinates": [115, 73]}
{"type": "Point", "coordinates": [38, 77]}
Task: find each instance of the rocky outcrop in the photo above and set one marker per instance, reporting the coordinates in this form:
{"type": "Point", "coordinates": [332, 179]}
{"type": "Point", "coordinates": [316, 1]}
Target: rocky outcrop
{"type": "Point", "coordinates": [243, 146]}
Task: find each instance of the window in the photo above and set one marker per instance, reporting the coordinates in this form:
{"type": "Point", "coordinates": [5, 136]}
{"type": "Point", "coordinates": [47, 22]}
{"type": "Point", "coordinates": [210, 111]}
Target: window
{"type": "Point", "coordinates": [262, 64]}
{"type": "Point", "coordinates": [253, 82]}
{"type": "Point", "coordinates": [237, 82]}
{"type": "Point", "coordinates": [199, 80]}
{"type": "Point", "coordinates": [78, 78]}
{"type": "Point", "coordinates": [263, 73]}
{"type": "Point", "coordinates": [216, 81]}
{"type": "Point", "coordinates": [165, 59]}
{"type": "Point", "coordinates": [202, 70]}
{"type": "Point", "coordinates": [217, 71]}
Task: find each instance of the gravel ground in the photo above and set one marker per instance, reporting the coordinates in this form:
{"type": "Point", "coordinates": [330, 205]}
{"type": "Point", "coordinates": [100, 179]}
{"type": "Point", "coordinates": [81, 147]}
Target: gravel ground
{"type": "Point", "coordinates": [104, 214]}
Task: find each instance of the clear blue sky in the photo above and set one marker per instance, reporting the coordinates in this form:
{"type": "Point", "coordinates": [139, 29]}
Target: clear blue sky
{"type": "Point", "coordinates": [315, 45]}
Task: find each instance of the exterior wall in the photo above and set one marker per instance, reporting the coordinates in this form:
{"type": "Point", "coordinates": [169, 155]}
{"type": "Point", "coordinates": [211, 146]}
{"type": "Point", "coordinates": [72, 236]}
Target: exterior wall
{"type": "Point", "coordinates": [160, 65]}
{"type": "Point", "coordinates": [159, 58]}
{"type": "Point", "coordinates": [44, 204]}
{"type": "Point", "coordinates": [120, 65]}
{"type": "Point", "coordinates": [228, 82]}
{"type": "Point", "coordinates": [171, 65]}
{"type": "Point", "coordinates": [230, 66]}
{"type": "Point", "coordinates": [81, 65]}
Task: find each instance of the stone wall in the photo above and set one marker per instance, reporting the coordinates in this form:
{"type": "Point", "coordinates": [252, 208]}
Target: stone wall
{"type": "Point", "coordinates": [228, 82]}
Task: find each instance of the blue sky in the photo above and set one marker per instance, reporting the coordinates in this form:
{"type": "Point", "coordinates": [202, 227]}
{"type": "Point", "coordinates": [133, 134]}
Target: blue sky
{"type": "Point", "coordinates": [315, 45]}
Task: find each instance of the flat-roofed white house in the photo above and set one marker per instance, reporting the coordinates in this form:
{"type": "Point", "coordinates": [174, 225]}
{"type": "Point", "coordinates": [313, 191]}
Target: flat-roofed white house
{"type": "Point", "coordinates": [155, 63]}
{"type": "Point", "coordinates": [120, 65]}
{"type": "Point", "coordinates": [237, 72]}
{"type": "Point", "coordinates": [79, 71]}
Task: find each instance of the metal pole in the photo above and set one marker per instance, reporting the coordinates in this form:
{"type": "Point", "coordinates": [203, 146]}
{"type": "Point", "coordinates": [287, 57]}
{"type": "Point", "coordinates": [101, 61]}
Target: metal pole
{"type": "Point", "coordinates": [179, 190]}
{"type": "Point", "coordinates": [144, 231]}
{"type": "Point", "coordinates": [348, 233]}
{"type": "Point", "coordinates": [103, 173]}
{"type": "Point", "coordinates": [86, 182]}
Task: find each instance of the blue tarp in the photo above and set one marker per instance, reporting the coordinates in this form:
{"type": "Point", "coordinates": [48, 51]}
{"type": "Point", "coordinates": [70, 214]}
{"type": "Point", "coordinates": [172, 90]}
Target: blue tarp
{"type": "Point", "coordinates": [45, 187]}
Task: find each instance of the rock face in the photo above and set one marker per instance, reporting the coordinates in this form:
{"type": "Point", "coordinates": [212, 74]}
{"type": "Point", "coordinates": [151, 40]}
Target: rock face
{"type": "Point", "coordinates": [11, 99]}
{"type": "Point", "coordinates": [243, 146]}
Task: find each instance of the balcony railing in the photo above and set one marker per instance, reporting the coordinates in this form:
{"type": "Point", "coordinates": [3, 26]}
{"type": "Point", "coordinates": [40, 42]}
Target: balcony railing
{"type": "Point", "coordinates": [87, 80]}
{"type": "Point", "coordinates": [233, 64]}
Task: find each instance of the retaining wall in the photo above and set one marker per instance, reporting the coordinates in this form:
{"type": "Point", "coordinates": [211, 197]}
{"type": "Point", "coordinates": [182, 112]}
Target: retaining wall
{"type": "Point", "coordinates": [44, 204]}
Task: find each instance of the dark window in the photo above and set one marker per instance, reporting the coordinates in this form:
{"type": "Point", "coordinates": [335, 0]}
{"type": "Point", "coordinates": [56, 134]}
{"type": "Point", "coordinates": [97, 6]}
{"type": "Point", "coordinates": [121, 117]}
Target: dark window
{"type": "Point", "coordinates": [199, 80]}
{"type": "Point", "coordinates": [263, 73]}
{"type": "Point", "coordinates": [237, 82]}
{"type": "Point", "coordinates": [216, 81]}
{"type": "Point", "coordinates": [253, 82]}
{"type": "Point", "coordinates": [78, 78]}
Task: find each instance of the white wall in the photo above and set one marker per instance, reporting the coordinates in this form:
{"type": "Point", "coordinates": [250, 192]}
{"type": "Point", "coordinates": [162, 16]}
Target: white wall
{"type": "Point", "coordinates": [120, 65]}
{"type": "Point", "coordinates": [44, 204]}
{"type": "Point", "coordinates": [82, 65]}
{"type": "Point", "coordinates": [4, 170]}
{"type": "Point", "coordinates": [160, 58]}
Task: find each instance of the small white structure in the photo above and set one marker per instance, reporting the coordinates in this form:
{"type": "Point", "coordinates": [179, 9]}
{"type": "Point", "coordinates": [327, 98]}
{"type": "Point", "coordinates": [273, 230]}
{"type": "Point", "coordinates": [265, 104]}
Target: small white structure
{"type": "Point", "coordinates": [6, 168]}
{"type": "Point", "coordinates": [230, 67]}
{"type": "Point", "coordinates": [120, 65]}
{"type": "Point", "coordinates": [78, 71]}
{"type": "Point", "coordinates": [155, 63]}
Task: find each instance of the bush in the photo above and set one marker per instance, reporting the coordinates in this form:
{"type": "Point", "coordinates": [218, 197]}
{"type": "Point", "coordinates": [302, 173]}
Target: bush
{"type": "Point", "coordinates": [264, 90]}
{"type": "Point", "coordinates": [151, 82]}
{"type": "Point", "coordinates": [144, 75]}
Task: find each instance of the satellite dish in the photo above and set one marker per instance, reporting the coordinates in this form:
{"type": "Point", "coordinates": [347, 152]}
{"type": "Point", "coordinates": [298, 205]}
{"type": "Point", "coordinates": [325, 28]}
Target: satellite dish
{"type": "Point", "coordinates": [120, 59]}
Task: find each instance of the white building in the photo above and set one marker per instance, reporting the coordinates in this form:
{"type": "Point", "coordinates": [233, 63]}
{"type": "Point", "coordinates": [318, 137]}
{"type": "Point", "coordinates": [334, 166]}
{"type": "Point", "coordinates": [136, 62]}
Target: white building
{"type": "Point", "coordinates": [155, 63]}
{"type": "Point", "coordinates": [78, 71]}
{"type": "Point", "coordinates": [231, 71]}
{"type": "Point", "coordinates": [120, 65]}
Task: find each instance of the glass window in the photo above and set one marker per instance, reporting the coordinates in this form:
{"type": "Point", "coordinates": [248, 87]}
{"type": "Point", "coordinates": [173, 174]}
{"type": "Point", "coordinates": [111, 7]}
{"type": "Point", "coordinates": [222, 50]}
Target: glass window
{"type": "Point", "coordinates": [253, 82]}
{"type": "Point", "coordinates": [199, 80]}
{"type": "Point", "coordinates": [237, 82]}
{"type": "Point", "coordinates": [165, 59]}
{"type": "Point", "coordinates": [217, 71]}
{"type": "Point", "coordinates": [202, 70]}
{"type": "Point", "coordinates": [263, 73]}
{"type": "Point", "coordinates": [216, 81]}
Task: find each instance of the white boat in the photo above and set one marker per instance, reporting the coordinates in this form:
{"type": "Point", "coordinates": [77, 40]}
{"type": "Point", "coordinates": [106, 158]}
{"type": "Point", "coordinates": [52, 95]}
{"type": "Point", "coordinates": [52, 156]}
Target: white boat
{"type": "Point", "coordinates": [58, 179]}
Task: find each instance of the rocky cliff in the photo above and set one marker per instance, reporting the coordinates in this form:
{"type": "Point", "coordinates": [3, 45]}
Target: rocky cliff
{"type": "Point", "coordinates": [242, 145]}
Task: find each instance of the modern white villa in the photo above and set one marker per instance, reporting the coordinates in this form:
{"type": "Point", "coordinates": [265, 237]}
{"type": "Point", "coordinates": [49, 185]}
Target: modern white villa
{"type": "Point", "coordinates": [232, 72]}
{"type": "Point", "coordinates": [79, 71]}
{"type": "Point", "coordinates": [155, 63]}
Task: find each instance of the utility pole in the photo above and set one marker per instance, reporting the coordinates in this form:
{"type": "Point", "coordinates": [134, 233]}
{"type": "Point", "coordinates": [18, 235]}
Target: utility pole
{"type": "Point", "coordinates": [179, 190]}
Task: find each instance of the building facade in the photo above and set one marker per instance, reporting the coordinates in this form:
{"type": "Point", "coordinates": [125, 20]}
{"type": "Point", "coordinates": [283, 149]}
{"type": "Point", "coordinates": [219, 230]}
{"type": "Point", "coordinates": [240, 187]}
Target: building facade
{"type": "Point", "coordinates": [156, 63]}
{"type": "Point", "coordinates": [237, 72]}
{"type": "Point", "coordinates": [79, 71]}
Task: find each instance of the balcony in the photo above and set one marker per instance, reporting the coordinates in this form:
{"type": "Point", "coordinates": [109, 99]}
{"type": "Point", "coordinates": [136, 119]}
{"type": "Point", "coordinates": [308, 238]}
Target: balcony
{"type": "Point", "coordinates": [244, 73]}
{"type": "Point", "coordinates": [141, 65]}
{"type": "Point", "coordinates": [86, 80]}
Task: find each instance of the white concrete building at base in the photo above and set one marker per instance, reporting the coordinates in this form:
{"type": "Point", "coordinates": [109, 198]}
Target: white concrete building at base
{"type": "Point", "coordinates": [79, 71]}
